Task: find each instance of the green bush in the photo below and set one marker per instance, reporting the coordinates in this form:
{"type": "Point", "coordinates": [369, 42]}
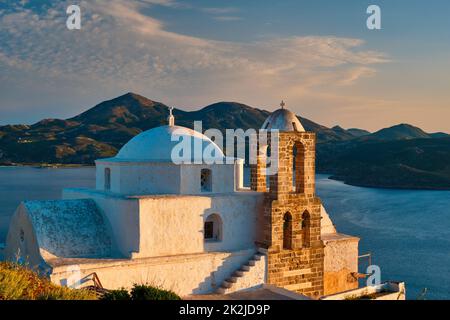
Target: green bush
{"type": "Point", "coordinates": [19, 283]}
{"type": "Point", "coordinates": [121, 294]}
{"type": "Point", "coordinates": [145, 292]}
{"type": "Point", "coordinates": [140, 292]}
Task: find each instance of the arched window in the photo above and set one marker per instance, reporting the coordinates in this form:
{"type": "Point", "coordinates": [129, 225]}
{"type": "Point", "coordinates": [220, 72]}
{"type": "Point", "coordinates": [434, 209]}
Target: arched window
{"type": "Point", "coordinates": [206, 180]}
{"type": "Point", "coordinates": [107, 179]}
{"type": "Point", "coordinates": [213, 228]}
{"type": "Point", "coordinates": [306, 226]}
{"type": "Point", "coordinates": [287, 231]}
{"type": "Point", "coordinates": [298, 173]}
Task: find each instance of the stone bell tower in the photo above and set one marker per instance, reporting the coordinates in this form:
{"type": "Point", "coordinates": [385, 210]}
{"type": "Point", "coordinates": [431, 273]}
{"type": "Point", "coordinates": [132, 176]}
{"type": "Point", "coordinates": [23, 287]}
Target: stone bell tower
{"type": "Point", "coordinates": [289, 228]}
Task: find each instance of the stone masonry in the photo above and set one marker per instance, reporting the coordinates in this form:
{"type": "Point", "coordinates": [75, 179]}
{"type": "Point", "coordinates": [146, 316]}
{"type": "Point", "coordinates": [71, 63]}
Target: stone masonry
{"type": "Point", "coordinates": [291, 219]}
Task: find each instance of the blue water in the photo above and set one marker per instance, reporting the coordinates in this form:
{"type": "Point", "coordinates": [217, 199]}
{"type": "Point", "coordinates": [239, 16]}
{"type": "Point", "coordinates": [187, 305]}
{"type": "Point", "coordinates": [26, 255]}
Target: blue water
{"type": "Point", "coordinates": [407, 232]}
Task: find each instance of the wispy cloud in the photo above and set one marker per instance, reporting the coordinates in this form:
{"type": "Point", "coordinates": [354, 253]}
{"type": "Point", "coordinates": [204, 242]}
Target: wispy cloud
{"type": "Point", "coordinates": [220, 10]}
{"type": "Point", "coordinates": [224, 14]}
{"type": "Point", "coordinates": [120, 48]}
{"type": "Point", "coordinates": [227, 18]}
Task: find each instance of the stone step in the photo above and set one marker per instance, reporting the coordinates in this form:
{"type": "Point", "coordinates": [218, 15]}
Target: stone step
{"type": "Point", "coordinates": [233, 283]}
{"type": "Point", "coordinates": [239, 273]}
{"type": "Point", "coordinates": [245, 267]}
{"type": "Point", "coordinates": [257, 257]}
{"type": "Point", "coordinates": [263, 251]}
{"type": "Point", "coordinates": [220, 291]}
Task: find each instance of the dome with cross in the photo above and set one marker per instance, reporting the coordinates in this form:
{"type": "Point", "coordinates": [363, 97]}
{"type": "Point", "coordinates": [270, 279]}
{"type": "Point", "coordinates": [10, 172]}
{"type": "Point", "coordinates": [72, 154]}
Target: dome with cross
{"type": "Point", "coordinates": [283, 120]}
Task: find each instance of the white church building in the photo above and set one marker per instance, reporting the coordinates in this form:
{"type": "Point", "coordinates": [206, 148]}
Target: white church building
{"type": "Point", "coordinates": [191, 228]}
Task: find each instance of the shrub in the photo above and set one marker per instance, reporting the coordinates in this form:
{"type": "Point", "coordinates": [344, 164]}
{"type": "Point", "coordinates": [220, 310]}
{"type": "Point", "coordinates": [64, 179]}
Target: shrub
{"type": "Point", "coordinates": [145, 292]}
{"type": "Point", "coordinates": [121, 294]}
{"type": "Point", "coordinates": [20, 283]}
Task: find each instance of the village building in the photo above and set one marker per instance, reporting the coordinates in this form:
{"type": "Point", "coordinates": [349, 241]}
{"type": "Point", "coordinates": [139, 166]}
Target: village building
{"type": "Point", "coordinates": [192, 227]}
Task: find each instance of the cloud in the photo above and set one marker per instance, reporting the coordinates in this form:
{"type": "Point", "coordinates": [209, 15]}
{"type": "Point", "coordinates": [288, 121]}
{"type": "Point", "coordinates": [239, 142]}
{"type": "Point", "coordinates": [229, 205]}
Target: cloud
{"type": "Point", "coordinates": [121, 48]}
{"type": "Point", "coordinates": [220, 11]}
{"type": "Point", "coordinates": [354, 74]}
{"type": "Point", "coordinates": [224, 14]}
{"type": "Point", "coordinates": [227, 18]}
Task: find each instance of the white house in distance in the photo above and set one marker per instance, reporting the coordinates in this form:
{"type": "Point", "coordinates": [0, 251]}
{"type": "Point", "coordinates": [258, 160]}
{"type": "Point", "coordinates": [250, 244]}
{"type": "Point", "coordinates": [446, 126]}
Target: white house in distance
{"type": "Point", "coordinates": [191, 228]}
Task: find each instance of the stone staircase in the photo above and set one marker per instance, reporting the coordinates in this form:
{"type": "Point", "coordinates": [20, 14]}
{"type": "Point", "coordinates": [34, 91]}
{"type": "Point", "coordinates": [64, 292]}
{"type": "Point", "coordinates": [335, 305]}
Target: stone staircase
{"type": "Point", "coordinates": [249, 275]}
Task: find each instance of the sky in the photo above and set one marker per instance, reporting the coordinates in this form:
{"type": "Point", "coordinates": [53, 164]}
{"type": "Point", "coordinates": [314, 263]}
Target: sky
{"type": "Point", "coordinates": [318, 56]}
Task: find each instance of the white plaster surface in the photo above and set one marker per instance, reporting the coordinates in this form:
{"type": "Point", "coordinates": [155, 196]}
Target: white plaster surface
{"type": "Point", "coordinates": [326, 224]}
{"type": "Point", "coordinates": [121, 212]}
{"type": "Point", "coordinates": [146, 178]}
{"type": "Point", "coordinates": [42, 230]}
{"type": "Point", "coordinates": [386, 291]}
{"type": "Point", "coordinates": [157, 144]}
{"type": "Point", "coordinates": [184, 274]}
{"type": "Point", "coordinates": [254, 277]}
{"type": "Point", "coordinates": [341, 252]}
{"type": "Point", "coordinates": [152, 226]}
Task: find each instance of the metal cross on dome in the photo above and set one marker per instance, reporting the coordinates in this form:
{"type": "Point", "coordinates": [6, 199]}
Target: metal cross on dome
{"type": "Point", "coordinates": [171, 110]}
{"type": "Point", "coordinates": [282, 104]}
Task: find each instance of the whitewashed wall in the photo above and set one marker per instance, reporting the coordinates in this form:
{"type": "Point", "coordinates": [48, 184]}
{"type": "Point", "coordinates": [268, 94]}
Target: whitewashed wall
{"type": "Point", "coordinates": [153, 226]}
{"type": "Point", "coordinates": [184, 274]}
{"type": "Point", "coordinates": [174, 225]}
{"type": "Point", "coordinates": [143, 178]}
{"type": "Point", "coordinates": [122, 215]}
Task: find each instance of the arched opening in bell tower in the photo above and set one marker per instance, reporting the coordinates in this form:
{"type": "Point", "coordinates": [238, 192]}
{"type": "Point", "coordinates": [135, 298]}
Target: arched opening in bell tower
{"type": "Point", "coordinates": [287, 231]}
{"type": "Point", "coordinates": [306, 226]}
{"type": "Point", "coordinates": [298, 170]}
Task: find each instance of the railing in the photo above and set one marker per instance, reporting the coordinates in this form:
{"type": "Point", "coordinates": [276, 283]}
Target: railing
{"type": "Point", "coordinates": [367, 256]}
{"type": "Point", "coordinates": [94, 278]}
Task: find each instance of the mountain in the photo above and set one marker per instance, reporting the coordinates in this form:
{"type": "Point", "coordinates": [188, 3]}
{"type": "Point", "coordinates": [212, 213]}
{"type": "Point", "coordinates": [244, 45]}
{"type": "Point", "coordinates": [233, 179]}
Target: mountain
{"type": "Point", "coordinates": [399, 132]}
{"type": "Point", "coordinates": [401, 156]}
{"type": "Point", "coordinates": [406, 163]}
{"type": "Point", "coordinates": [358, 132]}
{"type": "Point", "coordinates": [102, 130]}
{"type": "Point", "coordinates": [438, 135]}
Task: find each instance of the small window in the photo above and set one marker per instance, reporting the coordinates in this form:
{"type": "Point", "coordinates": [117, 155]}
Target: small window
{"type": "Point", "coordinates": [295, 126]}
{"type": "Point", "coordinates": [22, 235]}
{"type": "Point", "coordinates": [209, 230]}
{"type": "Point", "coordinates": [107, 179]}
{"type": "Point", "coordinates": [213, 228]}
{"type": "Point", "coordinates": [206, 180]}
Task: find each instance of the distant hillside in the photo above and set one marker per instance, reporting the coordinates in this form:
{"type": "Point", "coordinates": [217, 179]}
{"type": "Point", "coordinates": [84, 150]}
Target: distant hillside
{"type": "Point", "coordinates": [407, 163]}
{"type": "Point", "coordinates": [400, 132]}
{"type": "Point", "coordinates": [358, 132]}
{"type": "Point", "coordinates": [401, 156]}
{"type": "Point", "coordinates": [102, 130]}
